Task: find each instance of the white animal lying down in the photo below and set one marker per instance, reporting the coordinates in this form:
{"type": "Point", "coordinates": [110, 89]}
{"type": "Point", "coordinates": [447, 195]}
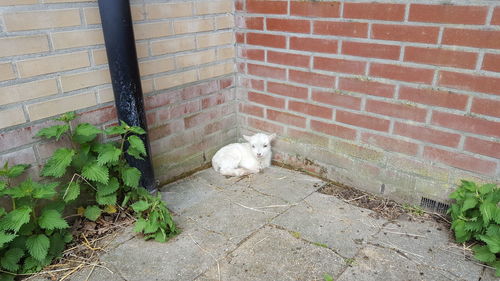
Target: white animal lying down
{"type": "Point", "coordinates": [238, 159]}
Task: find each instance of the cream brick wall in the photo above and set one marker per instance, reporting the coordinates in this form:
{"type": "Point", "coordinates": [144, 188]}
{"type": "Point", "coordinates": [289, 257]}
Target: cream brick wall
{"type": "Point", "coordinates": [53, 59]}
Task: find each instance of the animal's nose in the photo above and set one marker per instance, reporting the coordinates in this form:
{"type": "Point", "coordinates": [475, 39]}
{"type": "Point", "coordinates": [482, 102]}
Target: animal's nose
{"type": "Point", "coordinates": [259, 154]}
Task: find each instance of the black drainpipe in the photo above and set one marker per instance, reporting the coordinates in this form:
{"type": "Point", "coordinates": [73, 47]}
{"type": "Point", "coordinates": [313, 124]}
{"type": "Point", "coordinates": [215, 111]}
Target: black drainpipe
{"type": "Point", "coordinates": [122, 59]}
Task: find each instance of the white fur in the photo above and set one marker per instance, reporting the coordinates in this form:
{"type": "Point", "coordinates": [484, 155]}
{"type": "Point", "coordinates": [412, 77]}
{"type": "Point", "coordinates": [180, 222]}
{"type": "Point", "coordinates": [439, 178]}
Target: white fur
{"type": "Point", "coordinates": [238, 159]}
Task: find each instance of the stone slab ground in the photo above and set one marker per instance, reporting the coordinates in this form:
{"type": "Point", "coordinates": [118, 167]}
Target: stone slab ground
{"type": "Point", "coordinates": [276, 226]}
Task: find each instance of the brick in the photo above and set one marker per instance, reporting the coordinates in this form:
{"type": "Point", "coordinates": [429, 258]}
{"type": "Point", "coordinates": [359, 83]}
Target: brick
{"type": "Point", "coordinates": [288, 59]}
{"type": "Point", "coordinates": [448, 14]}
{"type": "Point", "coordinates": [51, 64]}
{"type": "Point", "coordinates": [79, 38]}
{"type": "Point", "coordinates": [307, 137]}
{"type": "Point", "coordinates": [152, 30]}
{"type": "Point", "coordinates": [340, 65]}
{"type": "Point", "coordinates": [41, 19]}
{"type": "Point", "coordinates": [223, 22]}
{"type": "Point", "coordinates": [361, 120]}
{"type": "Point", "coordinates": [433, 97]}
{"type": "Point", "coordinates": [348, 29]}
{"type": "Point", "coordinates": [194, 59]}
{"type": "Point", "coordinates": [22, 156]}
{"type": "Point", "coordinates": [85, 80]}
{"type": "Point", "coordinates": [287, 90]}
{"type": "Point", "coordinates": [172, 80]}
{"type": "Point", "coordinates": [313, 45]}
{"type": "Point", "coordinates": [495, 19]}
{"type": "Point", "coordinates": [286, 118]}
{"type": "Point", "coordinates": [226, 53]}
{"type": "Point", "coordinates": [374, 11]}
{"type": "Point", "coordinates": [193, 25]}
{"type": "Point", "coordinates": [97, 116]}
{"type": "Point", "coordinates": [405, 33]}
{"type": "Point", "coordinates": [333, 130]}
{"type": "Point", "coordinates": [460, 161]}
{"type": "Point", "coordinates": [105, 95]}
{"type": "Point", "coordinates": [267, 7]}
{"type": "Point", "coordinates": [266, 100]}
{"type": "Point", "coordinates": [491, 62]}
{"type": "Point", "coordinates": [165, 130]}
{"type": "Point", "coordinates": [252, 110]}
{"type": "Point", "coordinates": [147, 85]}
{"type": "Point", "coordinates": [311, 109]}
{"type": "Point", "coordinates": [240, 37]}
{"type": "Point", "coordinates": [483, 147]}
{"type": "Point", "coordinates": [366, 87]}
{"type": "Point", "coordinates": [486, 107]}
{"type": "Point", "coordinates": [12, 116]}
{"type": "Point", "coordinates": [157, 66]}
{"type": "Point", "coordinates": [265, 126]}
{"type": "Point", "coordinates": [315, 9]}
{"type": "Point", "coordinates": [288, 25]}
{"type": "Point", "coordinates": [441, 57]}
{"type": "Point", "coordinates": [268, 40]}
{"type": "Point", "coordinates": [253, 54]}
{"type": "Point", "coordinates": [239, 4]}
{"type": "Point", "coordinates": [311, 78]}
{"type": "Point", "coordinates": [257, 84]}
{"type": "Point", "coordinates": [390, 144]}
{"type": "Point", "coordinates": [161, 100]}
{"type": "Point", "coordinates": [256, 23]}
{"type": "Point", "coordinates": [92, 15]}
{"type": "Point", "coordinates": [226, 83]}
{"type": "Point", "coordinates": [472, 38]}
{"type": "Point", "coordinates": [466, 124]}
{"type": "Point", "coordinates": [371, 50]}
{"type": "Point", "coordinates": [199, 90]}
{"type": "Point", "coordinates": [266, 71]}
{"type": "Point", "coordinates": [214, 7]}
{"type": "Point", "coordinates": [60, 105]}
{"type": "Point", "coordinates": [403, 111]}
{"type": "Point", "coordinates": [20, 45]}
{"type": "Point", "coordinates": [209, 40]}
{"type": "Point", "coordinates": [216, 70]}
{"type": "Point", "coordinates": [169, 10]}
{"type": "Point", "coordinates": [100, 57]}
{"type": "Point", "coordinates": [470, 82]}
{"type": "Point", "coordinates": [17, 2]}
{"type": "Point", "coordinates": [426, 134]}
{"type": "Point", "coordinates": [402, 73]}
{"type": "Point", "coordinates": [6, 72]}
{"type": "Point", "coordinates": [174, 45]}
{"type": "Point", "coordinates": [179, 110]}
{"type": "Point", "coordinates": [27, 91]}
{"type": "Point", "coordinates": [336, 99]}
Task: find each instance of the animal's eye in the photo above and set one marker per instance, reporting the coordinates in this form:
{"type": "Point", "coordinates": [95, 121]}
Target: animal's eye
{"type": "Point", "coordinates": [253, 146]}
{"type": "Point", "coordinates": [265, 145]}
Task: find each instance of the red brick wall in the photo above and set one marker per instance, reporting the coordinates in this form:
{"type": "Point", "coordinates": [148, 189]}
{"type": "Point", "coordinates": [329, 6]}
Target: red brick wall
{"type": "Point", "coordinates": [404, 94]}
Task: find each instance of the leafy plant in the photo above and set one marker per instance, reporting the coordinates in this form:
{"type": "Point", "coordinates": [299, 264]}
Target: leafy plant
{"type": "Point", "coordinates": [30, 236]}
{"type": "Point", "coordinates": [327, 277]}
{"type": "Point", "coordinates": [476, 216]}
{"type": "Point", "coordinates": [101, 169]}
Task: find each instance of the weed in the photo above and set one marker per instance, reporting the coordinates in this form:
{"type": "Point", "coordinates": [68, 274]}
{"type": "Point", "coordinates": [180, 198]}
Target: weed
{"type": "Point", "coordinates": [413, 209]}
{"type": "Point", "coordinates": [327, 277]}
{"type": "Point", "coordinates": [350, 261]}
{"type": "Point", "coordinates": [296, 234]}
{"type": "Point", "coordinates": [320, 244]}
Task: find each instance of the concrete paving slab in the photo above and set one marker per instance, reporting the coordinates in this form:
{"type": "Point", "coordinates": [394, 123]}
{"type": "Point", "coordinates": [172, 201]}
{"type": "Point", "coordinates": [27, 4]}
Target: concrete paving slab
{"type": "Point", "coordinates": [274, 254]}
{"type": "Point", "coordinates": [325, 219]}
{"type": "Point", "coordinates": [430, 245]}
{"type": "Point", "coordinates": [489, 275]}
{"type": "Point", "coordinates": [186, 193]}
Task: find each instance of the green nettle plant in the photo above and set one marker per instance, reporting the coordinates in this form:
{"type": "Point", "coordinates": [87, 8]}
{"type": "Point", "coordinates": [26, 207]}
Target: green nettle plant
{"type": "Point", "coordinates": [476, 216]}
{"type": "Point", "coordinates": [30, 236]}
{"type": "Point", "coordinates": [34, 231]}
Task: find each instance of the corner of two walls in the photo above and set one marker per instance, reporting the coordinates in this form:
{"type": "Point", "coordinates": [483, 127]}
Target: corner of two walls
{"type": "Point", "coordinates": [53, 60]}
{"type": "Point", "coordinates": [398, 98]}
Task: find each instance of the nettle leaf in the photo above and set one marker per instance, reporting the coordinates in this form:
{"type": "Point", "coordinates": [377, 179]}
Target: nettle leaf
{"type": "Point", "coordinates": [131, 176]}
{"type": "Point", "coordinates": [140, 206]}
{"type": "Point", "coordinates": [3, 185]}
{"type": "Point", "coordinates": [72, 192]}
{"type": "Point", "coordinates": [52, 219]}
{"type": "Point", "coordinates": [482, 253]}
{"type": "Point", "coordinates": [140, 224]}
{"type": "Point", "coordinates": [469, 185]}
{"type": "Point", "coordinates": [57, 245]}
{"type": "Point", "coordinates": [137, 144]}
{"type": "Point", "coordinates": [137, 130]}
{"type": "Point", "coordinates": [31, 265]}
{"type": "Point", "coordinates": [66, 117]}
{"type": "Point", "coordinates": [58, 163]}
{"type": "Point", "coordinates": [6, 238]}
{"type": "Point", "coordinates": [487, 188]}
{"type": "Point", "coordinates": [95, 172]}
{"type": "Point", "coordinates": [493, 242]}
{"type": "Point", "coordinates": [38, 246]}
{"type": "Point", "coordinates": [496, 218]}
{"type": "Point", "coordinates": [111, 187]}
{"type": "Point", "coordinates": [109, 199]}
{"type": "Point", "coordinates": [15, 219]}
{"type": "Point", "coordinates": [24, 189]}
{"type": "Point", "coordinates": [496, 265]}
{"type": "Point", "coordinates": [469, 203]}
{"type": "Point", "coordinates": [11, 258]}
{"type": "Point", "coordinates": [488, 210]}
{"type": "Point", "coordinates": [92, 212]}
{"type": "Point", "coordinates": [110, 155]}
{"type": "Point", "coordinates": [461, 234]}
{"type": "Point", "coordinates": [55, 131]}
{"type": "Point", "coordinates": [45, 191]}
{"type": "Point", "coordinates": [85, 132]}
{"type": "Point", "coordinates": [474, 226]}
{"type": "Point", "coordinates": [17, 170]}
{"type": "Point", "coordinates": [115, 130]}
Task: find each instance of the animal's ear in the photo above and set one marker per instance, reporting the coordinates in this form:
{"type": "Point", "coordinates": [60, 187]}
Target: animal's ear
{"type": "Point", "coordinates": [247, 138]}
{"type": "Point", "coordinates": [272, 136]}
